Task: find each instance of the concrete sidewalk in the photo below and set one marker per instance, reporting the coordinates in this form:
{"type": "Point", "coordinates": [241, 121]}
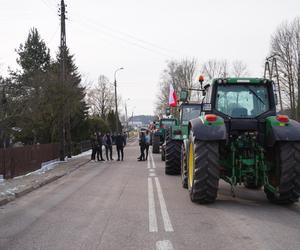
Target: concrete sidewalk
{"type": "Point", "coordinates": [19, 186]}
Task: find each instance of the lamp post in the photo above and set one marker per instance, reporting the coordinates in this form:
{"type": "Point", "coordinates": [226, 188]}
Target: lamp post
{"type": "Point", "coordinates": [126, 116]}
{"type": "Point", "coordinates": [116, 99]}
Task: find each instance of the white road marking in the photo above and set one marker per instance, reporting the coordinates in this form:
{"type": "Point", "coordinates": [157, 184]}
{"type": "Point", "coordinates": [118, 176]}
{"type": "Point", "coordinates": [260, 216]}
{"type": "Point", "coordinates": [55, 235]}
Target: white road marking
{"type": "Point", "coordinates": [152, 160]}
{"type": "Point", "coordinates": [148, 163]}
{"type": "Point", "coordinates": [152, 213]}
{"type": "Point", "coordinates": [163, 208]}
{"type": "Point", "coordinates": [164, 245]}
{"type": "Point", "coordinates": [152, 174]}
{"type": "Point", "coordinates": [151, 170]}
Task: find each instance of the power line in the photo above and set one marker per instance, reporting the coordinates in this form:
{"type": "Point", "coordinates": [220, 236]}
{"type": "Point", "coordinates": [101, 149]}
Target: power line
{"type": "Point", "coordinates": [113, 30]}
{"type": "Point", "coordinates": [103, 32]}
{"type": "Point", "coordinates": [49, 6]}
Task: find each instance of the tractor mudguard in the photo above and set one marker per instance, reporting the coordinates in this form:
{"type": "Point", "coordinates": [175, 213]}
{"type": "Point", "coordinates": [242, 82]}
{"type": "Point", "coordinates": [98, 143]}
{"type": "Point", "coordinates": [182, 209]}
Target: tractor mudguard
{"type": "Point", "coordinates": [277, 131]}
{"type": "Point", "coordinates": [208, 131]}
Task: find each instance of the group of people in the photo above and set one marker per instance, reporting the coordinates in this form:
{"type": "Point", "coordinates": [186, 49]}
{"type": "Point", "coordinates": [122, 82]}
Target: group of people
{"type": "Point", "coordinates": [98, 140]}
{"type": "Point", "coordinates": [144, 142]}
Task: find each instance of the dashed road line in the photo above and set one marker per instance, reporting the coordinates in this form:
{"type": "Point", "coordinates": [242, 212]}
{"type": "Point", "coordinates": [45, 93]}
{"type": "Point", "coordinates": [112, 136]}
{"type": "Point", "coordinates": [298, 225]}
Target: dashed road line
{"type": "Point", "coordinates": [152, 160]}
{"type": "Point", "coordinates": [149, 163]}
{"type": "Point", "coordinates": [151, 204]}
{"type": "Point", "coordinates": [163, 207]}
{"type": "Point", "coordinates": [164, 245]}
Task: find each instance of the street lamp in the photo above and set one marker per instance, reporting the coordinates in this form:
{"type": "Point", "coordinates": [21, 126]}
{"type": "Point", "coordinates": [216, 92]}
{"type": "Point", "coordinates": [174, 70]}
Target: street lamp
{"type": "Point", "coordinates": [126, 116]}
{"type": "Point", "coordinates": [116, 99]}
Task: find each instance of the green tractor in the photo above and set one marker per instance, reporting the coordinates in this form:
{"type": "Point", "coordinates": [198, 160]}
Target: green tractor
{"type": "Point", "coordinates": [240, 139]}
{"type": "Point", "coordinates": [176, 134]}
{"type": "Point", "coordinates": [158, 136]}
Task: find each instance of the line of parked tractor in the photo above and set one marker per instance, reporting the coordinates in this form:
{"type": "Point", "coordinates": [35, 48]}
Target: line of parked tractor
{"type": "Point", "coordinates": [234, 133]}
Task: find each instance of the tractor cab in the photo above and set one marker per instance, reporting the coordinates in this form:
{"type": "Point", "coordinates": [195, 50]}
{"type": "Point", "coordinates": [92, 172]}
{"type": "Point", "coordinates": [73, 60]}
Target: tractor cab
{"type": "Point", "coordinates": [243, 103]}
{"type": "Point", "coordinates": [189, 112]}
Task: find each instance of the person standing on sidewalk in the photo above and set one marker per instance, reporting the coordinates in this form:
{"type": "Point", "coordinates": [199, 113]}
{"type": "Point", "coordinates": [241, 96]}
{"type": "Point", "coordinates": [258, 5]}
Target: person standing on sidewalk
{"type": "Point", "coordinates": [94, 146]}
{"type": "Point", "coordinates": [107, 140]}
{"type": "Point", "coordinates": [142, 146]}
{"type": "Point", "coordinates": [147, 143]}
{"type": "Point", "coordinates": [99, 146]}
{"type": "Point", "coordinates": [120, 144]}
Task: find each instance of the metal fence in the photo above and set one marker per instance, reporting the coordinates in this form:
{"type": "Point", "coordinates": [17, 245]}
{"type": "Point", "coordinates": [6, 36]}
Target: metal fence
{"type": "Point", "coordinates": [22, 160]}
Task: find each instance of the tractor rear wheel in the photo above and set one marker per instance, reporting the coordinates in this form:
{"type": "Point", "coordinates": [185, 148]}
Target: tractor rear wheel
{"type": "Point", "coordinates": [287, 175]}
{"type": "Point", "coordinates": [184, 177]}
{"type": "Point", "coordinates": [172, 156]}
{"type": "Point", "coordinates": [155, 143]}
{"type": "Point", "coordinates": [203, 171]}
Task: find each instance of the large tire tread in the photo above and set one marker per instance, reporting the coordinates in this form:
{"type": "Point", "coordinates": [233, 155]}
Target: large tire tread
{"type": "Point", "coordinates": [173, 157]}
{"type": "Point", "coordinates": [206, 173]}
{"type": "Point", "coordinates": [289, 165]}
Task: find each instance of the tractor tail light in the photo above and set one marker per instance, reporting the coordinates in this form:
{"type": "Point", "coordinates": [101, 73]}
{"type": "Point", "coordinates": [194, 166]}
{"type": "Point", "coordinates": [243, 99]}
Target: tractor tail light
{"type": "Point", "coordinates": [211, 118]}
{"type": "Point", "coordinates": [282, 118]}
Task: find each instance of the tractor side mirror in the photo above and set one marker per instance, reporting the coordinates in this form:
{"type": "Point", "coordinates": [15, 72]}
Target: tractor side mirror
{"type": "Point", "coordinates": [184, 95]}
{"type": "Point", "coordinates": [168, 111]}
{"type": "Point", "coordinates": [205, 89]}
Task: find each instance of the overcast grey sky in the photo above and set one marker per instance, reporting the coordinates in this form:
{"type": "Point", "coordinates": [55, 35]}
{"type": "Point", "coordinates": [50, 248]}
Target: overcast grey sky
{"type": "Point", "coordinates": [142, 35]}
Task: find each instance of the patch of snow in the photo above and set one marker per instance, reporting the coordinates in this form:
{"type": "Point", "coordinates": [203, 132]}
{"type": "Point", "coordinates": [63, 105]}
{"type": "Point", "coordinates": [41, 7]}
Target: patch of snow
{"type": "Point", "coordinates": [89, 152]}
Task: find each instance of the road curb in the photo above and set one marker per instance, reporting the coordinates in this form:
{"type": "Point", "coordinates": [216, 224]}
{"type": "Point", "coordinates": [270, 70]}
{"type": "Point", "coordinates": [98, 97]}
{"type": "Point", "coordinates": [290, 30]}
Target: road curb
{"type": "Point", "coordinates": [6, 199]}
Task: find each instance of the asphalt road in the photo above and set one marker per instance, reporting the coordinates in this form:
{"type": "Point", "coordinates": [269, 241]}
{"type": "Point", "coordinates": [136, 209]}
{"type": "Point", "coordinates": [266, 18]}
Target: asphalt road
{"type": "Point", "coordinates": [134, 205]}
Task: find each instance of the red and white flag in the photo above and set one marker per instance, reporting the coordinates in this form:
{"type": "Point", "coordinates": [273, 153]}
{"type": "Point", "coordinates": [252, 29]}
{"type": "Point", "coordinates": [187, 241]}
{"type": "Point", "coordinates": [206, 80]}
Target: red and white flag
{"type": "Point", "coordinates": [172, 97]}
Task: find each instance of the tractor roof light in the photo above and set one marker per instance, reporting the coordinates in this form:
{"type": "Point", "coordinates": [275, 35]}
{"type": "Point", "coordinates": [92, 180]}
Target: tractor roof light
{"type": "Point", "coordinates": [210, 118]}
{"type": "Point", "coordinates": [201, 78]}
{"type": "Point", "coordinates": [282, 118]}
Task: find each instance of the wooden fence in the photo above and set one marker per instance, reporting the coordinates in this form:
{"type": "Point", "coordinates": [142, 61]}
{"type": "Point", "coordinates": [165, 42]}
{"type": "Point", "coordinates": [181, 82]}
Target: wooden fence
{"type": "Point", "coordinates": [22, 160]}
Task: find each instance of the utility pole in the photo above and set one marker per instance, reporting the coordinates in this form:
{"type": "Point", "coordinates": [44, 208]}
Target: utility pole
{"type": "Point", "coordinates": [62, 15]}
{"type": "Point", "coordinates": [116, 100]}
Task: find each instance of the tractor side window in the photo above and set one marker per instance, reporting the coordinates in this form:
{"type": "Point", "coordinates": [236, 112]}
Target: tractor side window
{"type": "Point", "coordinates": [190, 112]}
{"type": "Point", "coordinates": [242, 101]}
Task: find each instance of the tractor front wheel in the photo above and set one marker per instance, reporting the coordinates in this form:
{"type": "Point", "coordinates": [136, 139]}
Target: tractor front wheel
{"type": "Point", "coordinates": [155, 143]}
{"type": "Point", "coordinates": [184, 177]}
{"type": "Point", "coordinates": [172, 156]}
{"type": "Point", "coordinates": [286, 177]}
{"type": "Point", "coordinates": [203, 171]}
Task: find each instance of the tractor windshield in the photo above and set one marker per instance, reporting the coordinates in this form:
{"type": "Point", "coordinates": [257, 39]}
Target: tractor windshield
{"type": "Point", "coordinates": [167, 123]}
{"type": "Point", "coordinates": [190, 112]}
{"type": "Point", "coordinates": [242, 101]}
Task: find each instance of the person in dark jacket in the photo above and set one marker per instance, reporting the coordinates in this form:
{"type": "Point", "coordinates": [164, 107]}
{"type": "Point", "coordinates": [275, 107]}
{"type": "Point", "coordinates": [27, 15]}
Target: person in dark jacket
{"type": "Point", "coordinates": [94, 146]}
{"type": "Point", "coordinates": [99, 146]}
{"type": "Point", "coordinates": [107, 140]}
{"type": "Point", "coordinates": [147, 143]}
{"type": "Point", "coordinates": [142, 146]}
{"type": "Point", "coordinates": [120, 144]}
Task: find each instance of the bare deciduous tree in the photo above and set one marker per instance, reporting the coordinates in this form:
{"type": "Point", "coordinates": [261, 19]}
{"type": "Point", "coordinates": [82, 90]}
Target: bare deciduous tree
{"type": "Point", "coordinates": [238, 69]}
{"type": "Point", "coordinates": [214, 68]}
{"type": "Point", "coordinates": [179, 73]}
{"type": "Point", "coordinates": [101, 98]}
{"type": "Point", "coordinates": [285, 44]}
